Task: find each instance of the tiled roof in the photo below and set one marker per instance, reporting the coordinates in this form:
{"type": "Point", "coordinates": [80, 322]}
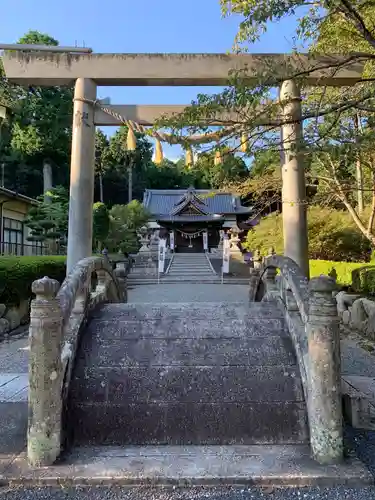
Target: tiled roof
{"type": "Point", "coordinates": [190, 218]}
{"type": "Point", "coordinates": [163, 202]}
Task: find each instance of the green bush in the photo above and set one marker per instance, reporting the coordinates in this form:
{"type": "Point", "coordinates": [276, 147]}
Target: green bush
{"type": "Point", "coordinates": [18, 273]}
{"type": "Point", "coordinates": [363, 279]}
{"type": "Point", "coordinates": [332, 236]}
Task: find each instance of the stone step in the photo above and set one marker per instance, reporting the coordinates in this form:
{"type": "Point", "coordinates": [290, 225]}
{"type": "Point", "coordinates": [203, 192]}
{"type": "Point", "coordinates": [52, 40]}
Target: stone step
{"type": "Point", "coordinates": [187, 373]}
{"type": "Point", "coordinates": [175, 279]}
{"type": "Point", "coordinates": [188, 424]}
{"type": "Point", "coordinates": [232, 470]}
{"type": "Point", "coordinates": [187, 270]}
{"type": "Point", "coordinates": [123, 384]}
{"type": "Point", "coordinates": [187, 352]}
{"type": "Point", "coordinates": [117, 328]}
{"type": "Point", "coordinates": [191, 272]}
{"type": "Point", "coordinates": [189, 310]}
{"type": "Point", "coordinates": [186, 267]}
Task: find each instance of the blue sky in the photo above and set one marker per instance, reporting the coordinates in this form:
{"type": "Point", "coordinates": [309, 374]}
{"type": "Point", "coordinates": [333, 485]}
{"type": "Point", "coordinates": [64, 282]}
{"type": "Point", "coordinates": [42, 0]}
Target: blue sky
{"type": "Point", "coordinates": [138, 26]}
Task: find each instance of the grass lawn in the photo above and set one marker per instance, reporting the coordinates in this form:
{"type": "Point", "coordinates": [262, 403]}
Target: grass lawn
{"type": "Point", "coordinates": [317, 267]}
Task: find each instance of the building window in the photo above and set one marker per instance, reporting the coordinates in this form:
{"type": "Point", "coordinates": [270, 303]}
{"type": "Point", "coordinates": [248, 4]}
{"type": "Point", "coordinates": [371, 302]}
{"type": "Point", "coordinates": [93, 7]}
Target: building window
{"type": "Point", "coordinates": [12, 236]}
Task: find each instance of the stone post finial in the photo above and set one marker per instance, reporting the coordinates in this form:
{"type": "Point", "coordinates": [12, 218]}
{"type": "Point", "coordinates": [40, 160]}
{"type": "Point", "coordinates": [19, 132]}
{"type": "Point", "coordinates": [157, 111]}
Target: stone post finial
{"type": "Point", "coordinates": [270, 279]}
{"type": "Point", "coordinates": [271, 251]}
{"type": "Point", "coordinates": [324, 374]}
{"type": "Point", "coordinates": [45, 374]}
{"type": "Point", "coordinates": [45, 287]}
{"type": "Point", "coordinates": [257, 259]}
{"type": "Point", "coordinates": [121, 275]}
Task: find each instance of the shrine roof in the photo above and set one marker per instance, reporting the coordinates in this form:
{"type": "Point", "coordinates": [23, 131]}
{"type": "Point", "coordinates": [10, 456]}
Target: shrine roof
{"type": "Point", "coordinates": [190, 218]}
{"type": "Point", "coordinates": [212, 203]}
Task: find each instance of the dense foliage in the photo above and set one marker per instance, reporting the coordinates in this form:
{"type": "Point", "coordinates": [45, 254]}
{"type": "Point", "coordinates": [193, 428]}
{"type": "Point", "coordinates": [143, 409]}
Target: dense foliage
{"type": "Point", "coordinates": [38, 130]}
{"type": "Point", "coordinates": [125, 222]}
{"type": "Point", "coordinates": [18, 273]}
{"type": "Point", "coordinates": [332, 236]}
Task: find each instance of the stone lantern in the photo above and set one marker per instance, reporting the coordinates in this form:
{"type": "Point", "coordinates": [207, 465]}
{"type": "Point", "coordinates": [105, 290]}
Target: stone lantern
{"type": "Point", "coordinates": [234, 239]}
{"type": "Point", "coordinates": [143, 236]}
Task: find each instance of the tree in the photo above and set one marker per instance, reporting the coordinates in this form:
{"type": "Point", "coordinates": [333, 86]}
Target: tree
{"type": "Point", "coordinates": [121, 160]}
{"type": "Point", "coordinates": [101, 160]}
{"type": "Point", "coordinates": [338, 122]}
{"type": "Point", "coordinates": [125, 221]}
{"type": "Point", "coordinates": [217, 176]}
{"type": "Point", "coordinates": [42, 124]}
{"type": "Point", "coordinates": [49, 220]}
{"type": "Point", "coordinates": [100, 224]}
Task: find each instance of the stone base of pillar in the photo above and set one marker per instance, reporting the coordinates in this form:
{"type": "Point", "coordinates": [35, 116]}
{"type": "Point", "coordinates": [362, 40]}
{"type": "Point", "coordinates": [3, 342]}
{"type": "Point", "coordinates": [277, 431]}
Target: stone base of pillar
{"type": "Point", "coordinates": [144, 266]}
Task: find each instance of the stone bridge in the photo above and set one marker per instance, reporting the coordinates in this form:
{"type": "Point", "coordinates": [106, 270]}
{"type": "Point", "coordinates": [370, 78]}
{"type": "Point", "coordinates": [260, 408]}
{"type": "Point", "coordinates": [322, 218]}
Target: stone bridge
{"type": "Point", "coordinates": [260, 374]}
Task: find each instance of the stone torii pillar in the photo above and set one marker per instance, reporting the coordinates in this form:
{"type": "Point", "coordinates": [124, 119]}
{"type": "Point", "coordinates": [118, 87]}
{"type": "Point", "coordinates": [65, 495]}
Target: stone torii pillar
{"type": "Point", "coordinates": [81, 173]}
{"type": "Point", "coordinates": [293, 178]}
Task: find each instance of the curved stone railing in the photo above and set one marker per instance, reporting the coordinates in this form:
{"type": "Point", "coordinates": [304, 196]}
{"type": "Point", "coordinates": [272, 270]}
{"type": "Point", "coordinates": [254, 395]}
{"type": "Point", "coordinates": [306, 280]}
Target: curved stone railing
{"type": "Point", "coordinates": [56, 318]}
{"type": "Point", "coordinates": [311, 315]}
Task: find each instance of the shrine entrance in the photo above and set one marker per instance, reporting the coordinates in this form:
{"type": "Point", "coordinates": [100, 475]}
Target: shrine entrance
{"type": "Point", "coordinates": [189, 241]}
{"type": "Point", "coordinates": [89, 71]}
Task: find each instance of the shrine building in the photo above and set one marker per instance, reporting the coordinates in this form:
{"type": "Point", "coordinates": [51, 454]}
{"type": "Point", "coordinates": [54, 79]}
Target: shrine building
{"type": "Point", "coordinates": [192, 219]}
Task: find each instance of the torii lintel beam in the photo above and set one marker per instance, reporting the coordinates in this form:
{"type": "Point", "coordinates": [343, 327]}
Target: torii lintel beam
{"type": "Point", "coordinates": [148, 114]}
{"type": "Point", "coordinates": [48, 69]}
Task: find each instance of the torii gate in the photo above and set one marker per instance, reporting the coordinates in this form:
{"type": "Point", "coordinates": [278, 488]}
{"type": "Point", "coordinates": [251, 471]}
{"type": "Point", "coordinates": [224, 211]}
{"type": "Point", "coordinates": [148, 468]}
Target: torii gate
{"type": "Point", "coordinates": [88, 71]}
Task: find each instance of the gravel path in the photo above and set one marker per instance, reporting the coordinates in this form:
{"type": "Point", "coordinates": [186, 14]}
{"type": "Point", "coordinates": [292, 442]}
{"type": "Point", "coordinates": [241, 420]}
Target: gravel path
{"type": "Point", "coordinates": [188, 494]}
{"type": "Point", "coordinates": [14, 354]}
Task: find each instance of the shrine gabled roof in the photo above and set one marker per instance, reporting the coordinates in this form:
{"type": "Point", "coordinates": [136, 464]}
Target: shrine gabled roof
{"type": "Point", "coordinates": [189, 198]}
{"type": "Point", "coordinates": [190, 218]}
{"type": "Point", "coordinates": [163, 202]}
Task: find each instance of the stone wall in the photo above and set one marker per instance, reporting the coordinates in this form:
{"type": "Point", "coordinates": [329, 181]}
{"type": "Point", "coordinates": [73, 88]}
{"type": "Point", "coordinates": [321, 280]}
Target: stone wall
{"type": "Point", "coordinates": [357, 312]}
{"type": "Point", "coordinates": [12, 317]}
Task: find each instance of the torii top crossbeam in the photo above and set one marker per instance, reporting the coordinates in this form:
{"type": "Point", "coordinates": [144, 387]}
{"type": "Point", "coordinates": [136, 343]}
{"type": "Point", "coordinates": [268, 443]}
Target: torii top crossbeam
{"type": "Point", "coordinates": [48, 69]}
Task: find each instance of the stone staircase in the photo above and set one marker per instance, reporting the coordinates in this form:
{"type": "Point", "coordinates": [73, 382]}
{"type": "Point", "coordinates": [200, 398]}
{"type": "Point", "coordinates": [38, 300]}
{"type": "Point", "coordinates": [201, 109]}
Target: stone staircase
{"type": "Point", "coordinates": [186, 374]}
{"type": "Point", "coordinates": [192, 268]}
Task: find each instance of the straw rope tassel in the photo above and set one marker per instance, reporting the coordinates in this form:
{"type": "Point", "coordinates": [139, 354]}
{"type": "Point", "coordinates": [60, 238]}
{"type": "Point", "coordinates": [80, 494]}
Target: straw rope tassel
{"type": "Point", "coordinates": [189, 157]}
{"type": "Point", "coordinates": [131, 140]}
{"type": "Point", "coordinates": [218, 160]}
{"type": "Point", "coordinates": [244, 142]}
{"type": "Point", "coordinates": [158, 153]}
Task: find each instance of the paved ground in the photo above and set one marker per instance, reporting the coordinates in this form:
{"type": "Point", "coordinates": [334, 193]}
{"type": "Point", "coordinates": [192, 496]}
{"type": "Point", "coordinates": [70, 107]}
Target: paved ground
{"type": "Point", "coordinates": [13, 416]}
{"type": "Point", "coordinates": [189, 293]}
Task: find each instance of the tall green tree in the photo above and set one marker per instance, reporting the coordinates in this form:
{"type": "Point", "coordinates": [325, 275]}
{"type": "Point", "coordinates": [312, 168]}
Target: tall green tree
{"type": "Point", "coordinates": [120, 160]}
{"type": "Point", "coordinates": [100, 224]}
{"type": "Point", "coordinates": [102, 161]}
{"type": "Point", "coordinates": [42, 127]}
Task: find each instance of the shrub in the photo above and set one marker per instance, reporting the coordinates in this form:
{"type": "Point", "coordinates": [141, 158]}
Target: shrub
{"type": "Point", "coordinates": [363, 279]}
{"type": "Point", "coordinates": [332, 236]}
{"type": "Point", "coordinates": [18, 273]}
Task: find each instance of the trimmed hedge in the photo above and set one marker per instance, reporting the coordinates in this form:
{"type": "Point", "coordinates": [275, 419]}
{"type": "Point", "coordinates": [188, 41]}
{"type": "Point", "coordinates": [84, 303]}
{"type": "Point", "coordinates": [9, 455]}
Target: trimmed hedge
{"type": "Point", "coordinates": [18, 273]}
{"type": "Point", "coordinates": [363, 279]}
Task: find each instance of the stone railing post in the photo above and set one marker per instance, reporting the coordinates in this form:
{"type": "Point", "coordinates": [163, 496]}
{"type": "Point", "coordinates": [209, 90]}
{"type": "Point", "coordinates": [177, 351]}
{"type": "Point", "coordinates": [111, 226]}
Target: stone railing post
{"type": "Point", "coordinates": [258, 260]}
{"type": "Point", "coordinates": [324, 373]}
{"type": "Point", "coordinates": [270, 274]}
{"type": "Point", "coordinates": [121, 275]}
{"type": "Point", "coordinates": [253, 284]}
{"type": "Point", "coordinates": [45, 403]}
